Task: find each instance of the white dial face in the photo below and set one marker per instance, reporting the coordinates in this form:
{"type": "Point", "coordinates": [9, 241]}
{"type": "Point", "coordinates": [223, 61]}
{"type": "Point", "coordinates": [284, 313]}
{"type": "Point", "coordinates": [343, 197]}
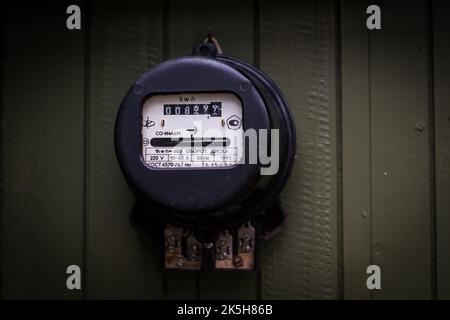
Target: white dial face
{"type": "Point", "coordinates": [192, 130]}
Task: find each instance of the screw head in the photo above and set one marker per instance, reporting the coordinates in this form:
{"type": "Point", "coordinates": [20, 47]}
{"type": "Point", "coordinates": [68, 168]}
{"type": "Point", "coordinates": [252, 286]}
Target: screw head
{"type": "Point", "coordinates": [420, 126]}
{"type": "Point", "coordinates": [180, 262]}
{"type": "Point", "coordinates": [238, 261]}
{"type": "Point", "coordinates": [208, 245]}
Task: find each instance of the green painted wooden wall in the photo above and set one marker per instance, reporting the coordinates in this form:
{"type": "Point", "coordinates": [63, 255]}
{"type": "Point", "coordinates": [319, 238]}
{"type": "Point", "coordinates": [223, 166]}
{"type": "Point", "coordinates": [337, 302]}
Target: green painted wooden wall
{"type": "Point", "coordinates": [370, 185]}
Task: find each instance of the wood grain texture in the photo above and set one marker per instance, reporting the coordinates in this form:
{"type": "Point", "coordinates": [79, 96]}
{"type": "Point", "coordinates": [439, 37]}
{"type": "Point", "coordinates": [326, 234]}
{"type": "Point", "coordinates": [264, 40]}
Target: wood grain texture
{"type": "Point", "coordinates": [356, 149]}
{"type": "Point", "coordinates": [231, 22]}
{"type": "Point", "coordinates": [441, 49]}
{"type": "Point", "coordinates": [65, 201]}
{"type": "Point", "coordinates": [298, 52]}
{"type": "Point", "coordinates": [126, 40]}
{"type": "Point", "coordinates": [401, 208]}
{"type": "Point", "coordinates": [43, 120]}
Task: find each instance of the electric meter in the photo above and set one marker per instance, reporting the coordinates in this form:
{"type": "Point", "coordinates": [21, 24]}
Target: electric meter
{"type": "Point", "coordinates": [206, 143]}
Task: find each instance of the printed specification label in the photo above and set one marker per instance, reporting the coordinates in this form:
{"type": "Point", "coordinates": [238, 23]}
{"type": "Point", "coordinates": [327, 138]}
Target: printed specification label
{"type": "Point", "coordinates": [202, 157]}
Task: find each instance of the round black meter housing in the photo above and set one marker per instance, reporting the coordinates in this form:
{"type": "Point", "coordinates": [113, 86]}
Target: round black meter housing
{"type": "Point", "coordinates": [186, 137]}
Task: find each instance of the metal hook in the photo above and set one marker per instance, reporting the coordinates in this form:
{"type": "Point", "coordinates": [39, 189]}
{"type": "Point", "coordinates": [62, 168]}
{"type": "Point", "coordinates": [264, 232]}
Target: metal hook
{"type": "Point", "coordinates": [209, 38]}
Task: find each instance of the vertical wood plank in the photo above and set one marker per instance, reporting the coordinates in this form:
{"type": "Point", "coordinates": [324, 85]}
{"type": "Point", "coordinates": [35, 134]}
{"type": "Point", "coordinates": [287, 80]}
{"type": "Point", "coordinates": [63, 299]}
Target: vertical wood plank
{"type": "Point", "coordinates": [441, 32]}
{"type": "Point", "coordinates": [43, 121]}
{"type": "Point", "coordinates": [356, 149]}
{"type": "Point", "coordinates": [126, 40]}
{"type": "Point", "coordinates": [401, 208]}
{"type": "Point", "coordinates": [298, 52]}
{"type": "Point", "coordinates": [231, 22]}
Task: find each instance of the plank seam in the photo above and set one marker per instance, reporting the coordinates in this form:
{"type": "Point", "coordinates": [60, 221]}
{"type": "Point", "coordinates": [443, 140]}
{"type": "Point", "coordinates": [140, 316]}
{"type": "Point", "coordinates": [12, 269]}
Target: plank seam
{"type": "Point", "coordinates": [87, 84]}
{"type": "Point", "coordinates": [166, 29]}
{"type": "Point", "coordinates": [339, 152]}
{"type": "Point", "coordinates": [369, 72]}
{"type": "Point", "coordinates": [432, 148]}
{"type": "Point", "coordinates": [2, 133]}
{"type": "Point", "coordinates": [257, 63]}
{"type": "Point", "coordinates": [256, 34]}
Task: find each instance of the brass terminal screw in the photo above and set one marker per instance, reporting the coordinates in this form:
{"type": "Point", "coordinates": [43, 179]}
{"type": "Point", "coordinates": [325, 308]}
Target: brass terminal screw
{"type": "Point", "coordinates": [208, 245]}
{"type": "Point", "coordinates": [180, 262]}
{"type": "Point", "coordinates": [238, 262]}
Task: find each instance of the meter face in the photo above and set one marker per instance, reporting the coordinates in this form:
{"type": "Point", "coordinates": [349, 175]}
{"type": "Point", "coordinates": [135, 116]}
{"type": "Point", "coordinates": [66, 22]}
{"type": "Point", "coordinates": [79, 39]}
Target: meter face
{"type": "Point", "coordinates": [192, 130]}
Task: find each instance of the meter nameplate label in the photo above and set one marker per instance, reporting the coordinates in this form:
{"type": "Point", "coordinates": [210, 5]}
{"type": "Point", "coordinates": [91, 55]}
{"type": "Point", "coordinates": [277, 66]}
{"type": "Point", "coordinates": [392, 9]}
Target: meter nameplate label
{"type": "Point", "coordinates": [192, 130]}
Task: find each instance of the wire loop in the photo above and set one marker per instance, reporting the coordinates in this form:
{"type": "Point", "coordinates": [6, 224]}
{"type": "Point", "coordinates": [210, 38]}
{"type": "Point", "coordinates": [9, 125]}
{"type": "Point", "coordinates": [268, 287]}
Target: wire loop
{"type": "Point", "coordinates": [214, 41]}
